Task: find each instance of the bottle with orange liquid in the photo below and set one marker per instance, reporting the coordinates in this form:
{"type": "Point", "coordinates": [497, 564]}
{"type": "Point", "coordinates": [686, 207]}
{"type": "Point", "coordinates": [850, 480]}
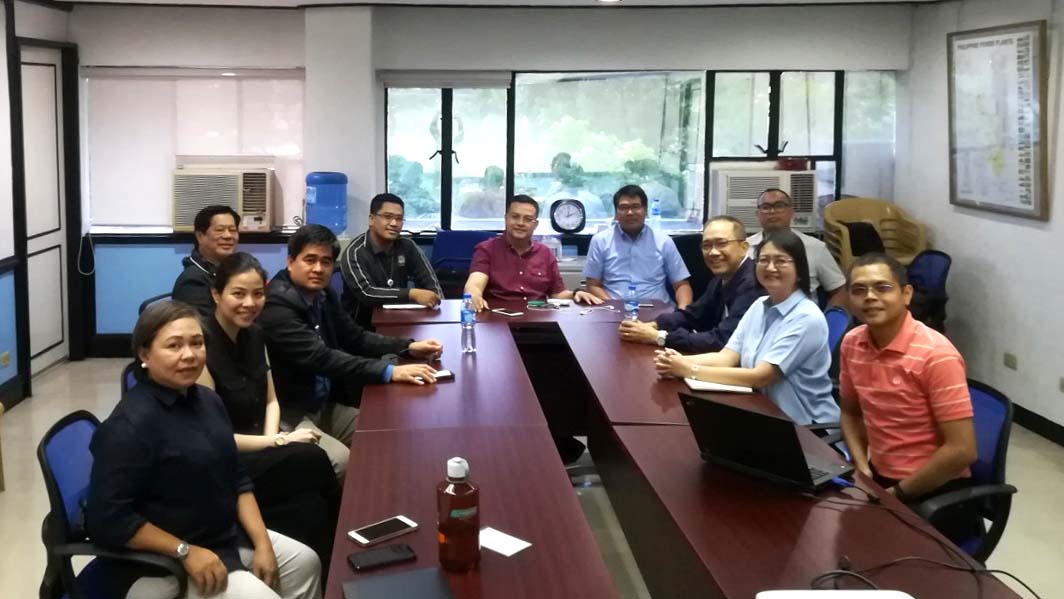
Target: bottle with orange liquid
{"type": "Point", "coordinates": [458, 517]}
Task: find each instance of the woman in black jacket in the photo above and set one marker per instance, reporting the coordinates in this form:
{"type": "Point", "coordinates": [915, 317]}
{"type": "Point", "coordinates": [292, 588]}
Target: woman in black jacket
{"type": "Point", "coordinates": [294, 481]}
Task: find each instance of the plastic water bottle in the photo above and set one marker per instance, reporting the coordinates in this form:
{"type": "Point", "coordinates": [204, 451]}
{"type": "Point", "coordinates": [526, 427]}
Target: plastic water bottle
{"type": "Point", "coordinates": [655, 215]}
{"type": "Point", "coordinates": [469, 320]}
{"type": "Point", "coordinates": [631, 304]}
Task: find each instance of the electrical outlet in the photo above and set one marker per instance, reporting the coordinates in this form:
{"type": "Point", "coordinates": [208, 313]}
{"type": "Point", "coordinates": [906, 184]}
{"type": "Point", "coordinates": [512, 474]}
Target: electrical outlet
{"type": "Point", "coordinates": [1062, 384]}
{"type": "Point", "coordinates": [5, 359]}
{"type": "Point", "coordinates": [1010, 361]}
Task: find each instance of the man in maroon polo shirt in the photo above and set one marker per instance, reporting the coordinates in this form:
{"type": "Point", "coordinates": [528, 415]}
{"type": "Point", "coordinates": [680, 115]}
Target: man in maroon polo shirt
{"type": "Point", "coordinates": [514, 267]}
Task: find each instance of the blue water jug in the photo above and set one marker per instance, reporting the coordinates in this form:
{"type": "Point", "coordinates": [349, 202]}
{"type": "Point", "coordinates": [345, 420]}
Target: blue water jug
{"type": "Point", "coordinates": [327, 200]}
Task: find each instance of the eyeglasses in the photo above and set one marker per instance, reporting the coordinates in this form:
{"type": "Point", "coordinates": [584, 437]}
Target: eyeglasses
{"type": "Point", "coordinates": [718, 244]}
{"type": "Point", "coordinates": [773, 207]}
{"type": "Point", "coordinates": [629, 208]}
{"type": "Point", "coordinates": [517, 218]}
{"type": "Point", "coordinates": [777, 261]}
{"type": "Point", "coordinates": [879, 289]}
{"type": "Point", "coordinates": [390, 218]}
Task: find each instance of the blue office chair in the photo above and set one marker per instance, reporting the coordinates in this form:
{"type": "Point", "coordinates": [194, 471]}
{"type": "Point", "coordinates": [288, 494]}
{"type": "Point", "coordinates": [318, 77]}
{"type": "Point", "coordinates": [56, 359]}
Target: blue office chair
{"type": "Point", "coordinates": [66, 464]}
{"type": "Point", "coordinates": [452, 253]}
{"type": "Point", "coordinates": [129, 379]}
{"type": "Point", "coordinates": [989, 492]}
{"type": "Point", "coordinates": [151, 300]}
{"type": "Point", "coordinates": [927, 275]}
{"type": "Point", "coordinates": [839, 322]}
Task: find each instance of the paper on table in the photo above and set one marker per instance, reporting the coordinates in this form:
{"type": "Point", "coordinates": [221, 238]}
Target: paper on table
{"type": "Point", "coordinates": [696, 385]}
{"type": "Point", "coordinates": [500, 542]}
{"type": "Point", "coordinates": [403, 307]}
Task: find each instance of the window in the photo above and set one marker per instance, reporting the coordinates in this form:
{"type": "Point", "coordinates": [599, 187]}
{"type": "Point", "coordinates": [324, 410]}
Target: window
{"type": "Point", "coordinates": [740, 114]}
{"type": "Point", "coordinates": [138, 123]}
{"type": "Point", "coordinates": [868, 135]}
{"type": "Point", "coordinates": [807, 114]}
{"type": "Point", "coordinates": [585, 135]}
{"type": "Point", "coordinates": [469, 190]}
{"type": "Point", "coordinates": [414, 117]}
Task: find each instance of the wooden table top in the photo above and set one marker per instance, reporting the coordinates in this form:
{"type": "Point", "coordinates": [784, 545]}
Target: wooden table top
{"type": "Point", "coordinates": [524, 491]}
{"type": "Point", "coordinates": [451, 311]}
{"type": "Point", "coordinates": [490, 387]}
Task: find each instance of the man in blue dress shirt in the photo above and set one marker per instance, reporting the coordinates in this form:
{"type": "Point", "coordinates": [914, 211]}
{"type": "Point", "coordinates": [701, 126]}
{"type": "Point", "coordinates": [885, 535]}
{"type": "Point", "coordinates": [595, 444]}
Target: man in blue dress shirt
{"type": "Point", "coordinates": [631, 252]}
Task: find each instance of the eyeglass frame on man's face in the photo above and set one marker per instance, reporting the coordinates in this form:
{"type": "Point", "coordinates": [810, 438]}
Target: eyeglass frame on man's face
{"type": "Point", "coordinates": [630, 208]}
{"type": "Point", "coordinates": [770, 208]}
{"type": "Point", "coordinates": [390, 218]}
{"type": "Point", "coordinates": [521, 219]}
{"type": "Point", "coordinates": [718, 244]}
{"type": "Point", "coordinates": [879, 289]}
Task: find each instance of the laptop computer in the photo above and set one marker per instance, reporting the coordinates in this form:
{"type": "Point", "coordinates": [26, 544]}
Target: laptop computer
{"type": "Point", "coordinates": [756, 444]}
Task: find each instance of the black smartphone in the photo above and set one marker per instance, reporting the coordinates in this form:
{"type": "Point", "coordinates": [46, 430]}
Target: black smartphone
{"type": "Point", "coordinates": [381, 556]}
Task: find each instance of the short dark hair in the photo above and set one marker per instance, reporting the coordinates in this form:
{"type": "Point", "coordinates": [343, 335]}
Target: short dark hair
{"type": "Point", "coordinates": [775, 190]}
{"type": "Point", "coordinates": [630, 191]}
{"type": "Point", "coordinates": [522, 199]}
{"type": "Point", "coordinates": [154, 318]}
{"type": "Point", "coordinates": [234, 264]}
{"type": "Point", "coordinates": [737, 225]}
{"type": "Point", "coordinates": [202, 222]}
{"type": "Point", "coordinates": [384, 198]}
{"type": "Point", "coordinates": [312, 235]}
{"type": "Point", "coordinates": [901, 276]}
{"type": "Point", "coordinates": [789, 243]}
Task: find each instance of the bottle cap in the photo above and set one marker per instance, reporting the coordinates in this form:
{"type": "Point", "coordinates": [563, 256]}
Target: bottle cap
{"type": "Point", "coordinates": [457, 468]}
{"type": "Point", "coordinates": [467, 296]}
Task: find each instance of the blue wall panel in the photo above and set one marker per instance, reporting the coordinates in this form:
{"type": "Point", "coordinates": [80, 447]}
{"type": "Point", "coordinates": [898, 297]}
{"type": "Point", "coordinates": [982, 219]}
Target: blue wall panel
{"type": "Point", "coordinates": [8, 340]}
{"type": "Point", "coordinates": [126, 275]}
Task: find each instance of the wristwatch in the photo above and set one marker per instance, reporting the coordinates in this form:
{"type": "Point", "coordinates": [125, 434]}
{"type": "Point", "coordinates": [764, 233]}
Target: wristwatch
{"type": "Point", "coordinates": [661, 338]}
{"type": "Point", "coordinates": [182, 550]}
{"type": "Point", "coordinates": [280, 440]}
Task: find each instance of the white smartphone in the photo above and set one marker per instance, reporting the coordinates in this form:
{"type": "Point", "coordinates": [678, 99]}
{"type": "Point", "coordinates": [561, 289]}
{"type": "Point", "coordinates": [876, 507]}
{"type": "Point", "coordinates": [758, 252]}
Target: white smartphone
{"type": "Point", "coordinates": [506, 312]}
{"type": "Point", "coordinates": [443, 374]}
{"type": "Point", "coordinates": [382, 531]}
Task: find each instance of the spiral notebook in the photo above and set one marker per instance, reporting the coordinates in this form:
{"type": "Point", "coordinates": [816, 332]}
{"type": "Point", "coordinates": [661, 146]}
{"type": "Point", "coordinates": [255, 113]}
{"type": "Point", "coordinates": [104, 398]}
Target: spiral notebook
{"type": "Point", "coordinates": [696, 385]}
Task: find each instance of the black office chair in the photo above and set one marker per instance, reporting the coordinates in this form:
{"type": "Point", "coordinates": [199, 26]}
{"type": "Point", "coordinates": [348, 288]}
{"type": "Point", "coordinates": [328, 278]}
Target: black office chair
{"type": "Point", "coordinates": [690, 248]}
{"type": "Point", "coordinates": [151, 300]}
{"type": "Point", "coordinates": [66, 464]}
{"type": "Point", "coordinates": [989, 492]}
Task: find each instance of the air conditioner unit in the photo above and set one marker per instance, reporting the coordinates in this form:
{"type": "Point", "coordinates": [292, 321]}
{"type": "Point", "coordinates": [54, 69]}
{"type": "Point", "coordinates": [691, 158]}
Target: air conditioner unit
{"type": "Point", "coordinates": [249, 191]}
{"type": "Point", "coordinates": [740, 189]}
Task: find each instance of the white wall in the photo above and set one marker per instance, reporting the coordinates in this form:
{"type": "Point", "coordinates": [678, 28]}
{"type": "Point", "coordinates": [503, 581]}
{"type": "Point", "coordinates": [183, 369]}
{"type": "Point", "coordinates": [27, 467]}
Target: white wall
{"type": "Point", "coordinates": [7, 233]}
{"type": "Point", "coordinates": [808, 37]}
{"type": "Point", "coordinates": [1007, 278]}
{"type": "Point", "coordinates": [41, 22]}
{"type": "Point", "coordinates": [187, 36]}
{"type": "Point", "coordinates": [344, 120]}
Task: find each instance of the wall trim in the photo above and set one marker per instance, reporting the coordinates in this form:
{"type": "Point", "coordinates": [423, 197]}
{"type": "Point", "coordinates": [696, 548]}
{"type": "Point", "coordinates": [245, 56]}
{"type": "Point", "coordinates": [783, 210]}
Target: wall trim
{"type": "Point", "coordinates": [63, 6]}
{"type": "Point", "coordinates": [1039, 424]}
{"type": "Point", "coordinates": [253, 6]}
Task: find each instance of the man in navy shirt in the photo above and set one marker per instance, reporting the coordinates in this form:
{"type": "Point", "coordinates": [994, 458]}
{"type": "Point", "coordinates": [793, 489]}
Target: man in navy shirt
{"type": "Point", "coordinates": [705, 325]}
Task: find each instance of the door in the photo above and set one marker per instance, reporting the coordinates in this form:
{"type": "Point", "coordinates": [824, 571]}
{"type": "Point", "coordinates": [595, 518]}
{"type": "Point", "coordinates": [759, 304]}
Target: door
{"type": "Point", "coordinates": [42, 126]}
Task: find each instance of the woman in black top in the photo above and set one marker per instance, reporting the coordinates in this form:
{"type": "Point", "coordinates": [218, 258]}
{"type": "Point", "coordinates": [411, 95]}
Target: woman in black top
{"type": "Point", "coordinates": [166, 478]}
{"type": "Point", "coordinates": [294, 481]}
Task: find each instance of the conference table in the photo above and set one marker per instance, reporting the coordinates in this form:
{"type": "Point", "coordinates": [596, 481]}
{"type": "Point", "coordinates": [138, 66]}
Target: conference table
{"type": "Point", "coordinates": [695, 530]}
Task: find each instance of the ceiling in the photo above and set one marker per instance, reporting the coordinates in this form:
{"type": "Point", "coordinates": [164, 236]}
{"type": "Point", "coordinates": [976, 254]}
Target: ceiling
{"type": "Point", "coordinates": [500, 3]}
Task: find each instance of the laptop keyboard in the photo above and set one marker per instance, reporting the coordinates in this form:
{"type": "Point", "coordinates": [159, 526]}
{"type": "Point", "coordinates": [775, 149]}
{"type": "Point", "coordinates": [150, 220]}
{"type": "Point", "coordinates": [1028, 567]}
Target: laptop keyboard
{"type": "Point", "coordinates": [816, 473]}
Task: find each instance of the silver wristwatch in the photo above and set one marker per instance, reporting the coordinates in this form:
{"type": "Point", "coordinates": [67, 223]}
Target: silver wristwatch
{"type": "Point", "coordinates": [182, 550]}
{"type": "Point", "coordinates": [661, 338]}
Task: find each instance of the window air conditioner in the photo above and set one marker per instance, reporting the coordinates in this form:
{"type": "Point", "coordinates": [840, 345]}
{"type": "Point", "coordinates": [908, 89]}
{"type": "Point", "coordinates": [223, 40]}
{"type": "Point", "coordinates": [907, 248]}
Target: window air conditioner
{"type": "Point", "coordinates": [248, 191]}
{"type": "Point", "coordinates": [740, 189]}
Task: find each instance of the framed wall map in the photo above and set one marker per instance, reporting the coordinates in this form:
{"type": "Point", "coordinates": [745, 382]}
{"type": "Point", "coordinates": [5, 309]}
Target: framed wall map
{"type": "Point", "coordinates": [997, 120]}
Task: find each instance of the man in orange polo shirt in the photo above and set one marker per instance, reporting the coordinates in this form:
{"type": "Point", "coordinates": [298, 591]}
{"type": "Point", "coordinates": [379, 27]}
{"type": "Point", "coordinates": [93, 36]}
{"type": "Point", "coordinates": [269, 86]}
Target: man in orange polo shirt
{"type": "Point", "coordinates": [906, 411]}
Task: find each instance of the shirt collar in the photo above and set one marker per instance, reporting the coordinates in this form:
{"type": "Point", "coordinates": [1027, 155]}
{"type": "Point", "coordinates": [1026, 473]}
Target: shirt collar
{"type": "Point", "coordinates": [741, 273]}
{"type": "Point", "coordinates": [165, 395]}
{"type": "Point", "coordinates": [376, 249]}
{"type": "Point", "coordinates": [617, 226]}
{"type": "Point", "coordinates": [788, 304]}
{"type": "Point", "coordinates": [203, 263]}
{"type": "Point", "coordinates": [311, 297]}
{"type": "Point", "coordinates": [510, 246]}
{"type": "Point", "coordinates": [901, 342]}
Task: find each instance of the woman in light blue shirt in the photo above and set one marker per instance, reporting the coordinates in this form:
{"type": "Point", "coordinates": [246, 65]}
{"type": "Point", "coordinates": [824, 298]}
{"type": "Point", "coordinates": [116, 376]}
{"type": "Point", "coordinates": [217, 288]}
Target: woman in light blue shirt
{"type": "Point", "coordinates": [781, 343]}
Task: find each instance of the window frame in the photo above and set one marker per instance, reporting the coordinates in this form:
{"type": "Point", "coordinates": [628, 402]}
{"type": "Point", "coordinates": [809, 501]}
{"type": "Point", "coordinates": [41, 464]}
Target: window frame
{"type": "Point", "coordinates": [709, 97]}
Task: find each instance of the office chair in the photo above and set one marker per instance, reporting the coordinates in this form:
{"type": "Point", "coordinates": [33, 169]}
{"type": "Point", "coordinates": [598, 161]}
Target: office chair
{"type": "Point", "coordinates": [129, 379]}
{"type": "Point", "coordinates": [66, 464]}
{"type": "Point", "coordinates": [927, 275]}
{"type": "Point", "coordinates": [690, 248]}
{"type": "Point", "coordinates": [452, 253]}
{"type": "Point", "coordinates": [989, 492]}
{"type": "Point", "coordinates": [151, 300]}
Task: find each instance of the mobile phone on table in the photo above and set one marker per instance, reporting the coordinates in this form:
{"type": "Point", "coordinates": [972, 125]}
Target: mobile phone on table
{"type": "Point", "coordinates": [381, 556]}
{"type": "Point", "coordinates": [442, 375]}
{"type": "Point", "coordinates": [382, 531]}
{"type": "Point", "coordinates": [505, 312]}
{"type": "Point", "coordinates": [646, 305]}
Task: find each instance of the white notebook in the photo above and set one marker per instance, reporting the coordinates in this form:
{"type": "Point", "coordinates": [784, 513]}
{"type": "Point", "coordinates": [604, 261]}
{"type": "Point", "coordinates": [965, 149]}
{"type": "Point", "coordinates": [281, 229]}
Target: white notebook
{"type": "Point", "coordinates": [403, 307]}
{"type": "Point", "coordinates": [696, 385]}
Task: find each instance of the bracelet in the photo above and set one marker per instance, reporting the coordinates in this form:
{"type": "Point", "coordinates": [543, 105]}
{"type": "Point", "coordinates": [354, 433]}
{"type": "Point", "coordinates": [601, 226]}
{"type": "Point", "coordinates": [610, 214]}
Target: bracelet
{"type": "Point", "coordinates": [694, 370]}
